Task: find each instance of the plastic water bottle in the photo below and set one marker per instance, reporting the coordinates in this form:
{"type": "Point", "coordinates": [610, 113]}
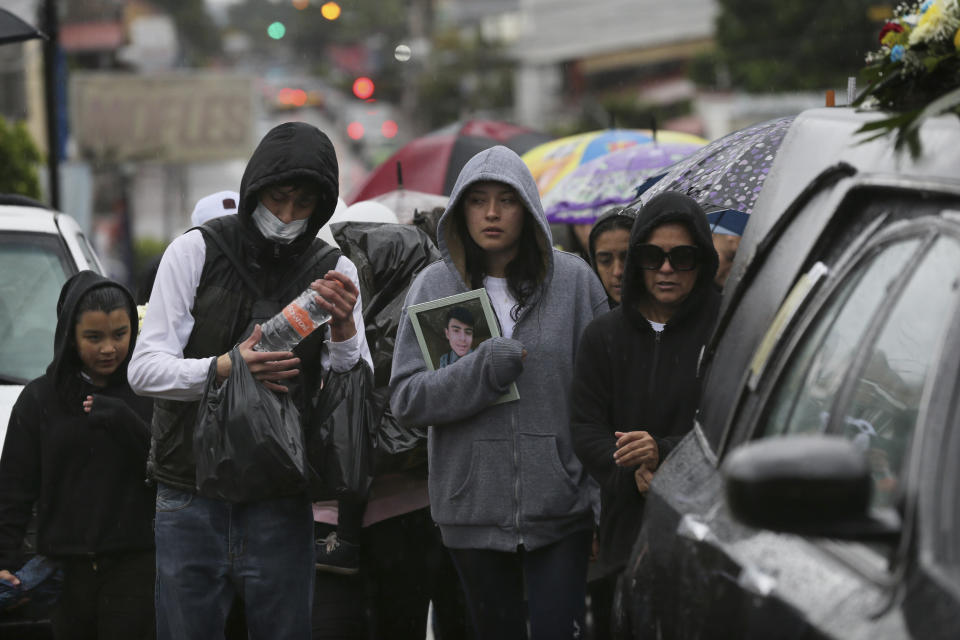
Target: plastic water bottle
{"type": "Point", "coordinates": [295, 322]}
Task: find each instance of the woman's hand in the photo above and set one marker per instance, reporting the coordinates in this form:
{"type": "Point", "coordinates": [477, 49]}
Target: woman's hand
{"type": "Point", "coordinates": [339, 298]}
{"type": "Point", "coordinates": [269, 367]}
{"type": "Point", "coordinates": [636, 448]}
{"type": "Point", "coordinates": [87, 407]}
{"type": "Point", "coordinates": [9, 578]}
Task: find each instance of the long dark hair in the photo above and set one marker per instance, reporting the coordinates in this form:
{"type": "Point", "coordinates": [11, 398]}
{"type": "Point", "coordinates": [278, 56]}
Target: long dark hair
{"type": "Point", "coordinates": [523, 273]}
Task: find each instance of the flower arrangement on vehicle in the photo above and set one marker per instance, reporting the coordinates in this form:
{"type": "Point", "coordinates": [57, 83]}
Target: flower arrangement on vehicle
{"type": "Point", "coordinates": [915, 75]}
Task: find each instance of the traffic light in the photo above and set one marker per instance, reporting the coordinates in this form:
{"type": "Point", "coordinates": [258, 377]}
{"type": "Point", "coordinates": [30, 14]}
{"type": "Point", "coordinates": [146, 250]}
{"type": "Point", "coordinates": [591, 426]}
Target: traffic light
{"type": "Point", "coordinates": [355, 130]}
{"type": "Point", "coordinates": [389, 128]}
{"type": "Point", "coordinates": [330, 11]}
{"type": "Point", "coordinates": [276, 30]}
{"type": "Point", "coordinates": [363, 87]}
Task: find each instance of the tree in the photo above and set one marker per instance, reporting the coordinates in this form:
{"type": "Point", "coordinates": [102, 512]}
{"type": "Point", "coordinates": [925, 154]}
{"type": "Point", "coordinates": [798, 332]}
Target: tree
{"type": "Point", "coordinates": [19, 157]}
{"type": "Point", "coordinates": [199, 35]}
{"type": "Point", "coordinates": [463, 72]}
{"type": "Point", "coordinates": [789, 45]}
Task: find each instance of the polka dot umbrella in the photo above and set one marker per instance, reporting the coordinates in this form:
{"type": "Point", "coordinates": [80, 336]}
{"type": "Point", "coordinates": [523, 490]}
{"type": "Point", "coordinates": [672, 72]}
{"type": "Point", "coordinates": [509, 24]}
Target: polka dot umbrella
{"type": "Point", "coordinates": [726, 176]}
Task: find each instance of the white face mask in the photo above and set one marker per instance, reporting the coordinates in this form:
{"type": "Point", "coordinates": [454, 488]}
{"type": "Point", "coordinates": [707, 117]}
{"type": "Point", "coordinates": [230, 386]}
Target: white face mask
{"type": "Point", "coordinates": [273, 229]}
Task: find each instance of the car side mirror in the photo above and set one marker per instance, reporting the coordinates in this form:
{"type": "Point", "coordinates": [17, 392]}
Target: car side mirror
{"type": "Point", "coordinates": [806, 485]}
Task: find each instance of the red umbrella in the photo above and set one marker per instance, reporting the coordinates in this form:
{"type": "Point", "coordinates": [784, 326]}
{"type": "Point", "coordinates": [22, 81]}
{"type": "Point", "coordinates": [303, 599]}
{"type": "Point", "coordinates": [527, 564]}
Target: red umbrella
{"type": "Point", "coordinates": [432, 163]}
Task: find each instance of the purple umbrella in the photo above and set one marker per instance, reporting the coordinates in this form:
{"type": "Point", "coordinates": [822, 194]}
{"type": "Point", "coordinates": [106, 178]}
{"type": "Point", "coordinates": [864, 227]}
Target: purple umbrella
{"type": "Point", "coordinates": [728, 173]}
{"type": "Point", "coordinates": [612, 179]}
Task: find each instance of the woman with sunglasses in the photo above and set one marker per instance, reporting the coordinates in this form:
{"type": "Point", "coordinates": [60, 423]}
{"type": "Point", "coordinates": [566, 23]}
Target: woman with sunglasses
{"type": "Point", "coordinates": [635, 385]}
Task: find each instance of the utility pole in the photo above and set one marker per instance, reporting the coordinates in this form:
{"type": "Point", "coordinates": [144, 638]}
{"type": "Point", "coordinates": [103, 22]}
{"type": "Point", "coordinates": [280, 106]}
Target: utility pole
{"type": "Point", "coordinates": [50, 58]}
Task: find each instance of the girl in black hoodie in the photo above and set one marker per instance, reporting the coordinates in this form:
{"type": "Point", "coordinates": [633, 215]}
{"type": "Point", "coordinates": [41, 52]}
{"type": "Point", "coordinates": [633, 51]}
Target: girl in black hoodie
{"type": "Point", "coordinates": [635, 385]}
{"type": "Point", "coordinates": [76, 447]}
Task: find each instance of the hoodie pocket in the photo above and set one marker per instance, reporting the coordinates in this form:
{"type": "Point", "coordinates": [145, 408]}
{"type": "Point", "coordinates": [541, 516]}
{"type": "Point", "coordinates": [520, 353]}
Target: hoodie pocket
{"type": "Point", "coordinates": [549, 491]}
{"type": "Point", "coordinates": [485, 495]}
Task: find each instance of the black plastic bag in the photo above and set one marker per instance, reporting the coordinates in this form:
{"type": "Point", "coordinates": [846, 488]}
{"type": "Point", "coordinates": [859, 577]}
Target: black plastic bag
{"type": "Point", "coordinates": [387, 256]}
{"type": "Point", "coordinates": [341, 434]}
{"type": "Point", "coordinates": [398, 448]}
{"type": "Point", "coordinates": [248, 441]}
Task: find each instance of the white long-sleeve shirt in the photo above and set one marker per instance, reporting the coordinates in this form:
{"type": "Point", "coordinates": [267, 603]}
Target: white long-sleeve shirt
{"type": "Point", "coordinates": [158, 368]}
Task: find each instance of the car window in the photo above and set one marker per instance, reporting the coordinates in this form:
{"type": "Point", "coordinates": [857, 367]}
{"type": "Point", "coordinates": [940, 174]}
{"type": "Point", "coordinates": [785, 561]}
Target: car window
{"type": "Point", "coordinates": [886, 401]}
{"type": "Point", "coordinates": [808, 387]}
{"type": "Point", "coordinates": [33, 268]}
{"type": "Point", "coordinates": [884, 405]}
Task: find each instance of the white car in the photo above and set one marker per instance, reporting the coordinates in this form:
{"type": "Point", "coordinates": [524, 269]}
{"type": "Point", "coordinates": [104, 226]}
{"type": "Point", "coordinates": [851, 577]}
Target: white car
{"type": "Point", "coordinates": [39, 250]}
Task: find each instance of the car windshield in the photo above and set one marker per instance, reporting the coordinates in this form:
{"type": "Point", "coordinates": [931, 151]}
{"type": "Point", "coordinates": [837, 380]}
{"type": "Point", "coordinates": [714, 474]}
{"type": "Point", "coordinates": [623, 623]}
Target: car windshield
{"type": "Point", "coordinates": [34, 268]}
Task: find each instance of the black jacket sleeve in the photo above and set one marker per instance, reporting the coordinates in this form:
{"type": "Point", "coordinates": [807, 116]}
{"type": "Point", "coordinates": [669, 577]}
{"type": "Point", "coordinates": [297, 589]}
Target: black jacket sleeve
{"type": "Point", "coordinates": [19, 478]}
{"type": "Point", "coordinates": [590, 411]}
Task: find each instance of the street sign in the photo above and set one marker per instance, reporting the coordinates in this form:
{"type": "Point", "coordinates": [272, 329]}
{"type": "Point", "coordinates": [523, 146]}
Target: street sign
{"type": "Point", "coordinates": [169, 117]}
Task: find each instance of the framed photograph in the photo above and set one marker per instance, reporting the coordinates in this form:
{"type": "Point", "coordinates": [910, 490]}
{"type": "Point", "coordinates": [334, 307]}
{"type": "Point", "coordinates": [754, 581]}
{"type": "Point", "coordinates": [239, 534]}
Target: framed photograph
{"type": "Point", "coordinates": [453, 327]}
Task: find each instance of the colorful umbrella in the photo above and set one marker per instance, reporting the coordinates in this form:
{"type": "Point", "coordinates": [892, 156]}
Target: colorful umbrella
{"type": "Point", "coordinates": [433, 162]}
{"type": "Point", "coordinates": [551, 161]}
{"type": "Point", "coordinates": [726, 175]}
{"type": "Point", "coordinates": [612, 179]}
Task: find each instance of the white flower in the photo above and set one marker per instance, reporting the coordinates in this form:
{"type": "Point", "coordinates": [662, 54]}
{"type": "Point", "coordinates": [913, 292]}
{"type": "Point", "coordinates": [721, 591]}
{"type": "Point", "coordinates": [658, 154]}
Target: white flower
{"type": "Point", "coordinates": [939, 22]}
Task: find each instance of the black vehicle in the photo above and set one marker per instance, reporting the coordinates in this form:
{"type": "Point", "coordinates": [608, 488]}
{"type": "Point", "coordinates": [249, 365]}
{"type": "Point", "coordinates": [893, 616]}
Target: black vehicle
{"type": "Point", "coordinates": [836, 361]}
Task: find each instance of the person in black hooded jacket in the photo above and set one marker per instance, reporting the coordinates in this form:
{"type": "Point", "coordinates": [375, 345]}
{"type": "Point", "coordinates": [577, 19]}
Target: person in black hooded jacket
{"type": "Point", "coordinates": [635, 386]}
{"type": "Point", "coordinates": [608, 243]}
{"type": "Point", "coordinates": [76, 447]}
{"type": "Point", "coordinates": [201, 306]}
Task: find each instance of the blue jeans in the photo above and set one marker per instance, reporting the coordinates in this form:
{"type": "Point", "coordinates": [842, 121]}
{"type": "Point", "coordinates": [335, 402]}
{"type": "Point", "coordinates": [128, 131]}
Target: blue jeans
{"type": "Point", "coordinates": [208, 550]}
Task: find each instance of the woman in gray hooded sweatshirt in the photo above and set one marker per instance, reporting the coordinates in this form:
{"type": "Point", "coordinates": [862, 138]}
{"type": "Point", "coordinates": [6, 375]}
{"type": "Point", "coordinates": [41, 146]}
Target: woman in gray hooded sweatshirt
{"type": "Point", "coordinates": [510, 496]}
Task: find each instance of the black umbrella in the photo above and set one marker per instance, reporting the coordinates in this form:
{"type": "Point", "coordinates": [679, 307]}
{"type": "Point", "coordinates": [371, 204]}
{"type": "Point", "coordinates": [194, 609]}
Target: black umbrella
{"type": "Point", "coordinates": [13, 29]}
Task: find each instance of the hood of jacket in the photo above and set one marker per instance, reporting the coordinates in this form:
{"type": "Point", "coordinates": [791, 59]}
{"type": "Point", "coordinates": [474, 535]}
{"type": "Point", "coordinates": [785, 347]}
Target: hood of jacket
{"type": "Point", "coordinates": [669, 207]}
{"type": "Point", "coordinates": [64, 369]}
{"type": "Point", "coordinates": [498, 164]}
{"type": "Point", "coordinates": [292, 150]}
{"type": "Point", "coordinates": [609, 219]}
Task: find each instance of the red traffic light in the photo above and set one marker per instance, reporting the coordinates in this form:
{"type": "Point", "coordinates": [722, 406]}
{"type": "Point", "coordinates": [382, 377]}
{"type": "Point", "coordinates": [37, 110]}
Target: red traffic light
{"type": "Point", "coordinates": [355, 130]}
{"type": "Point", "coordinates": [363, 87]}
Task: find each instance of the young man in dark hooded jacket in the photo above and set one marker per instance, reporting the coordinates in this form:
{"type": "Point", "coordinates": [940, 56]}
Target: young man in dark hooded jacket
{"type": "Point", "coordinates": [636, 387]}
{"type": "Point", "coordinates": [201, 307]}
{"type": "Point", "coordinates": [76, 447]}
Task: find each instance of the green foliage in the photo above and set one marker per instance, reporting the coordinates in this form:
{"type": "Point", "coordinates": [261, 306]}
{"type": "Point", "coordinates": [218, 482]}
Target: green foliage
{"type": "Point", "coordinates": [200, 37]}
{"type": "Point", "coordinates": [463, 72]}
{"type": "Point", "coordinates": [623, 111]}
{"type": "Point", "coordinates": [792, 45]}
{"type": "Point", "coordinates": [145, 251]}
{"type": "Point", "coordinates": [19, 157]}
{"type": "Point", "coordinates": [703, 70]}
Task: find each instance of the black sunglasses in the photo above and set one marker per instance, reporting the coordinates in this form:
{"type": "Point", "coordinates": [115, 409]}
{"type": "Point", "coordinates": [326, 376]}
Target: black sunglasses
{"type": "Point", "coordinates": [682, 258]}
